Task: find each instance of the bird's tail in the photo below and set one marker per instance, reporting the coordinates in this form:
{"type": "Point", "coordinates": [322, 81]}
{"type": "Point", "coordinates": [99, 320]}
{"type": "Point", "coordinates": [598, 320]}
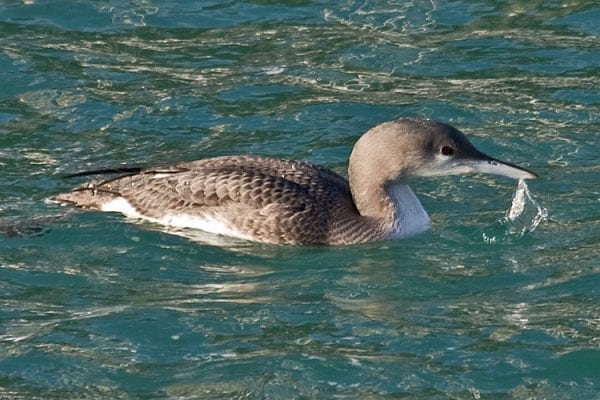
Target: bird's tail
{"type": "Point", "coordinates": [94, 194]}
{"type": "Point", "coordinates": [85, 197]}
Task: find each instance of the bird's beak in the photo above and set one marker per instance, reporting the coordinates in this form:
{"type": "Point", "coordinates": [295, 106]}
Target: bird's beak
{"type": "Point", "coordinates": [487, 165]}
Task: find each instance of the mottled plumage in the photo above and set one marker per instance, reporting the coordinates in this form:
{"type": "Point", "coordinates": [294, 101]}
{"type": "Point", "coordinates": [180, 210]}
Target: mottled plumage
{"type": "Point", "coordinates": [268, 200]}
{"type": "Point", "coordinates": [294, 202]}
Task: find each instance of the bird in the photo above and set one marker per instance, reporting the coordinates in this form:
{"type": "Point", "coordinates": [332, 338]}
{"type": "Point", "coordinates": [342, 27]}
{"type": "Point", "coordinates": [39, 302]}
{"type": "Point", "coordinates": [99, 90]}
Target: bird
{"type": "Point", "coordinates": [281, 201]}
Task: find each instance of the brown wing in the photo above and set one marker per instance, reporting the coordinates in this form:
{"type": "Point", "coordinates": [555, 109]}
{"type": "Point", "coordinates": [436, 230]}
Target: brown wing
{"type": "Point", "coordinates": [269, 200]}
{"type": "Point", "coordinates": [276, 201]}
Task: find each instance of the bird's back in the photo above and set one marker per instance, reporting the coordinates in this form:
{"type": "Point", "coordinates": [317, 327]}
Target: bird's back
{"type": "Point", "coordinates": [255, 198]}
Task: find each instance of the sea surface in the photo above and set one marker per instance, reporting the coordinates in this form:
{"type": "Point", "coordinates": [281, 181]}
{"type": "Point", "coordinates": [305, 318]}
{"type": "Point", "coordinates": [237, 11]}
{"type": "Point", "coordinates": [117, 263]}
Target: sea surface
{"type": "Point", "coordinates": [496, 301]}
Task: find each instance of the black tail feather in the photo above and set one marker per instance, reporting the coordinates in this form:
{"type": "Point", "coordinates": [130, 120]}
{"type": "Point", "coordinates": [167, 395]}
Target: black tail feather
{"type": "Point", "coordinates": [124, 170]}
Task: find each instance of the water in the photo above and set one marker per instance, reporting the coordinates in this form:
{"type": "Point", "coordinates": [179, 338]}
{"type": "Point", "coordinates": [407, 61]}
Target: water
{"type": "Point", "coordinates": [487, 304]}
{"type": "Point", "coordinates": [520, 221]}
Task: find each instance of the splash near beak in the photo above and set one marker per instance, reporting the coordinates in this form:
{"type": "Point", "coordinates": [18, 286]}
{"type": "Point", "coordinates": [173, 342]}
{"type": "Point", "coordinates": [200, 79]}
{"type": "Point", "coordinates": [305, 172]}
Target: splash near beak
{"type": "Point", "coordinates": [489, 165]}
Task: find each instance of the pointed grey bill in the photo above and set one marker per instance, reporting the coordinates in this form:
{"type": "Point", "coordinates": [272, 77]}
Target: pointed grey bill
{"type": "Point", "coordinates": [489, 165]}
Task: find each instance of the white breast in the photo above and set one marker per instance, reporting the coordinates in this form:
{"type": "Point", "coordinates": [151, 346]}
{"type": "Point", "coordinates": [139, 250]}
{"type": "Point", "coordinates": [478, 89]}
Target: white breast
{"type": "Point", "coordinates": [411, 218]}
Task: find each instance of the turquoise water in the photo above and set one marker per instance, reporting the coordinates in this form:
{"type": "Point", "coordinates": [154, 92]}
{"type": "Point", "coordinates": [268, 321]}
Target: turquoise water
{"type": "Point", "coordinates": [479, 307]}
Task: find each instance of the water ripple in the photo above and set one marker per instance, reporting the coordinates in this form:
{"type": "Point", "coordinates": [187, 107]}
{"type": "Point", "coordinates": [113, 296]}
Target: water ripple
{"type": "Point", "coordinates": [95, 307]}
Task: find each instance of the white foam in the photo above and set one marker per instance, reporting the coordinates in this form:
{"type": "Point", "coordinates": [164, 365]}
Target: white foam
{"type": "Point", "coordinates": [518, 202]}
{"type": "Point", "coordinates": [517, 215]}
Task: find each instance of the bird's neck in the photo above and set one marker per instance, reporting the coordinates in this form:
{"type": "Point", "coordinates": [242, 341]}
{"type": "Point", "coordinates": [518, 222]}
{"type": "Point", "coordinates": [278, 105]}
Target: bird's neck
{"type": "Point", "coordinates": [393, 205]}
{"type": "Point", "coordinates": [410, 218]}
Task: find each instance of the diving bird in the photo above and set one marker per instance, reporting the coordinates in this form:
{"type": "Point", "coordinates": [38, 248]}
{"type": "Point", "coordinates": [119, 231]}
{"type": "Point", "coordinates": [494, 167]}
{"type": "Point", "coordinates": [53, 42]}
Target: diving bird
{"type": "Point", "coordinates": [294, 202]}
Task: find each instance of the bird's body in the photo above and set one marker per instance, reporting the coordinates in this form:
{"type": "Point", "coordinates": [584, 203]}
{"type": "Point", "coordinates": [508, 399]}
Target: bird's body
{"type": "Point", "coordinates": [255, 198]}
{"type": "Point", "coordinates": [294, 202]}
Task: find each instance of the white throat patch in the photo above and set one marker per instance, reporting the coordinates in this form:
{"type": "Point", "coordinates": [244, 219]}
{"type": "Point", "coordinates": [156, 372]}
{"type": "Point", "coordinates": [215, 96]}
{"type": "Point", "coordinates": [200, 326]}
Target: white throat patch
{"type": "Point", "coordinates": [411, 218]}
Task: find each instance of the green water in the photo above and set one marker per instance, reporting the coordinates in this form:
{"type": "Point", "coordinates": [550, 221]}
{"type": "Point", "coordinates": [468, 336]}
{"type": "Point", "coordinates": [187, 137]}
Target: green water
{"type": "Point", "coordinates": [479, 307]}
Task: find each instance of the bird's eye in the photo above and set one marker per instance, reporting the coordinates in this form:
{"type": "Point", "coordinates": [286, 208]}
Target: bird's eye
{"type": "Point", "coordinates": [447, 150]}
